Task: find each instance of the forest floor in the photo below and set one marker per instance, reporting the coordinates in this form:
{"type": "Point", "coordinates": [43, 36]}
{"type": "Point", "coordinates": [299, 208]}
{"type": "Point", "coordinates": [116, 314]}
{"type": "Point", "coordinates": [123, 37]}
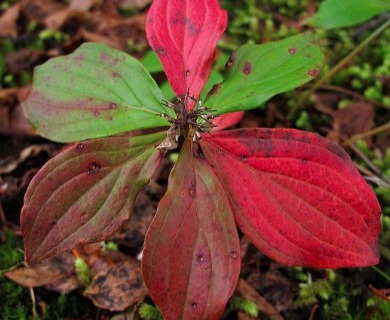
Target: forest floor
{"type": "Point", "coordinates": [352, 109]}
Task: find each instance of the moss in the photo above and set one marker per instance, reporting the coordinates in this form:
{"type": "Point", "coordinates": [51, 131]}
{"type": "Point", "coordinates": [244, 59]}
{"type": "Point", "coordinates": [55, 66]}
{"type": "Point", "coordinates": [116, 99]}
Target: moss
{"type": "Point", "coordinates": [15, 300]}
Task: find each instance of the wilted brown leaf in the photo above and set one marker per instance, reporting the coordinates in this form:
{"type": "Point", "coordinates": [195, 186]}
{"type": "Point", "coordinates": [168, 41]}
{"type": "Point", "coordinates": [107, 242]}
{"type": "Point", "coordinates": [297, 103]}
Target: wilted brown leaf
{"type": "Point", "coordinates": [123, 34]}
{"type": "Point", "coordinates": [118, 287]}
{"type": "Point", "coordinates": [38, 10]}
{"type": "Point", "coordinates": [356, 118]}
{"type": "Point", "coordinates": [24, 60]}
{"type": "Point", "coordinates": [56, 274]}
{"type": "Point", "coordinates": [77, 8]}
{"type": "Point", "coordinates": [8, 21]}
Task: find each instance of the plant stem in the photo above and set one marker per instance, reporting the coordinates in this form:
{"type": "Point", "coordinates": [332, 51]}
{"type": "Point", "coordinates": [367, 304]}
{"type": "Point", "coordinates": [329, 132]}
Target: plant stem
{"type": "Point", "coordinates": [384, 275]}
{"type": "Point", "coordinates": [339, 66]}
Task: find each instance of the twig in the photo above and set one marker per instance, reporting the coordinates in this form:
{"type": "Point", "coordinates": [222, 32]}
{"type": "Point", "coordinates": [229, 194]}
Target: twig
{"type": "Point", "coordinates": [366, 134]}
{"type": "Point", "coordinates": [353, 94]}
{"type": "Point", "coordinates": [34, 310]}
{"type": "Point", "coordinates": [313, 311]}
{"type": "Point", "coordinates": [366, 160]}
{"type": "Point", "coordinates": [381, 293]}
{"type": "Point", "coordinates": [3, 221]}
{"type": "Point", "coordinates": [384, 275]}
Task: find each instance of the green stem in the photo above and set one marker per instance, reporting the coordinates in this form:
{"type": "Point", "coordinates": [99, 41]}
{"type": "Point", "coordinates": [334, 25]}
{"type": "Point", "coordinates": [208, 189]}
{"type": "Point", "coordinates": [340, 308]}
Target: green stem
{"type": "Point", "coordinates": [384, 275]}
{"type": "Point", "coordinates": [339, 66]}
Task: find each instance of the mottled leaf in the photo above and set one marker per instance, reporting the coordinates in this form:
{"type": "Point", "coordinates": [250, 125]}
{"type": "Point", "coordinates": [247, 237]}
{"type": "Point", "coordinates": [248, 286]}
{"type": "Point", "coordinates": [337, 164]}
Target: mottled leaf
{"type": "Point", "coordinates": [191, 259]}
{"type": "Point", "coordinates": [184, 35]}
{"type": "Point", "coordinates": [255, 73]}
{"type": "Point", "coordinates": [118, 287]}
{"type": "Point", "coordinates": [337, 14]}
{"type": "Point", "coordinates": [297, 196]}
{"type": "Point", "coordinates": [94, 92]}
{"type": "Point", "coordinates": [86, 193]}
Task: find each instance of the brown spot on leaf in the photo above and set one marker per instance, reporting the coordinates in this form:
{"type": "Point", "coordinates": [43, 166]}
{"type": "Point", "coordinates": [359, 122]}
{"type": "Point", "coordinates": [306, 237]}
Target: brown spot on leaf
{"type": "Point", "coordinates": [103, 57]}
{"type": "Point", "coordinates": [79, 57]}
{"type": "Point", "coordinates": [192, 189]}
{"type": "Point", "coordinates": [233, 254]}
{"type": "Point", "coordinates": [116, 74]}
{"type": "Point", "coordinates": [96, 113]}
{"type": "Point", "coordinates": [112, 106]}
{"type": "Point", "coordinates": [161, 51]}
{"type": "Point", "coordinates": [231, 60]}
{"type": "Point", "coordinates": [314, 72]}
{"type": "Point", "coordinates": [200, 258]}
{"type": "Point", "coordinates": [292, 50]}
{"type": "Point", "coordinates": [93, 168]}
{"type": "Point", "coordinates": [80, 146]}
{"type": "Point", "coordinates": [247, 68]}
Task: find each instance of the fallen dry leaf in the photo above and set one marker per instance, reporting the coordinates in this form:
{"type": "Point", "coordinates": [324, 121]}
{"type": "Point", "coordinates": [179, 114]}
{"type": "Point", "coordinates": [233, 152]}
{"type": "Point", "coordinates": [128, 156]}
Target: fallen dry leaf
{"type": "Point", "coordinates": [38, 10]}
{"type": "Point", "coordinates": [56, 274]}
{"type": "Point", "coordinates": [118, 287]}
{"type": "Point", "coordinates": [24, 60]}
{"type": "Point", "coordinates": [8, 21]}
{"type": "Point", "coordinates": [356, 118]}
{"type": "Point", "coordinates": [84, 5]}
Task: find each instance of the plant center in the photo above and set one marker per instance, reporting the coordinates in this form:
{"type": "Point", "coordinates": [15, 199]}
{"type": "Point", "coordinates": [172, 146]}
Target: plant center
{"type": "Point", "coordinates": [194, 121]}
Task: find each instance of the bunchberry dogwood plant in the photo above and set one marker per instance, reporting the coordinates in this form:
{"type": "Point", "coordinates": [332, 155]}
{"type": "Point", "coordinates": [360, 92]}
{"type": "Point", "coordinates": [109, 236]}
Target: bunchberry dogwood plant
{"type": "Point", "coordinates": [294, 194]}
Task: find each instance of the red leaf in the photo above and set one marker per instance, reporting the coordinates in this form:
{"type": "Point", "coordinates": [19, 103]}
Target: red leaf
{"type": "Point", "coordinates": [227, 120]}
{"type": "Point", "coordinates": [191, 260]}
{"type": "Point", "coordinates": [297, 196]}
{"type": "Point", "coordinates": [184, 35]}
{"type": "Point", "coordinates": [86, 193]}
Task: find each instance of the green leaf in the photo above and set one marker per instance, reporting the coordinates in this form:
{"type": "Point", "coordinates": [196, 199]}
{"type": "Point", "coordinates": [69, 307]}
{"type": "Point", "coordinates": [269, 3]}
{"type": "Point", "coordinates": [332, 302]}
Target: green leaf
{"type": "Point", "coordinates": [86, 193]}
{"type": "Point", "coordinates": [337, 14]}
{"type": "Point", "coordinates": [94, 92]}
{"type": "Point", "coordinates": [255, 73]}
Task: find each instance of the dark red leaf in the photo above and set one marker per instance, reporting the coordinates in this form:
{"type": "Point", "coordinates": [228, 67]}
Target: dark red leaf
{"type": "Point", "coordinates": [184, 35]}
{"type": "Point", "coordinates": [86, 193]}
{"type": "Point", "coordinates": [191, 260]}
{"type": "Point", "coordinates": [297, 196]}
